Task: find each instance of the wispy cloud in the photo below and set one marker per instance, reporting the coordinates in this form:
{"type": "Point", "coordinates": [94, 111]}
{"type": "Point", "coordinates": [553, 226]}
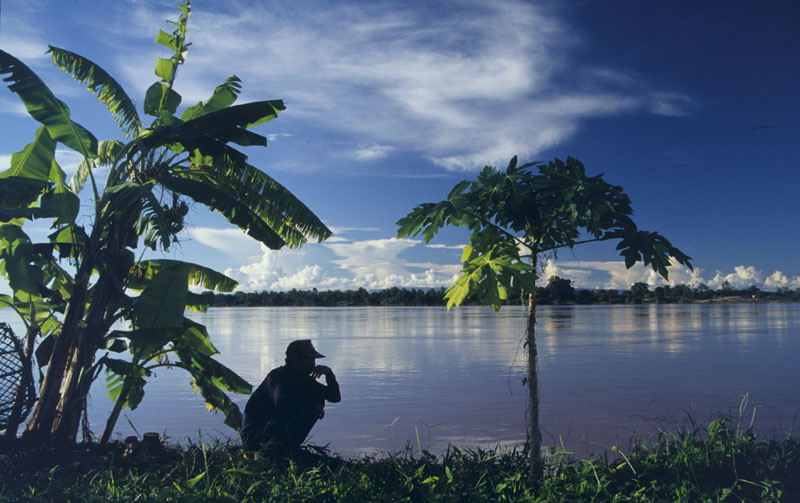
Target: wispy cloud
{"type": "Point", "coordinates": [68, 160]}
{"type": "Point", "coordinates": [346, 230]}
{"type": "Point", "coordinates": [13, 106]}
{"type": "Point", "coordinates": [372, 153]}
{"type": "Point", "coordinates": [230, 240]}
{"type": "Point", "coordinates": [671, 104]}
{"type": "Point", "coordinates": [462, 83]}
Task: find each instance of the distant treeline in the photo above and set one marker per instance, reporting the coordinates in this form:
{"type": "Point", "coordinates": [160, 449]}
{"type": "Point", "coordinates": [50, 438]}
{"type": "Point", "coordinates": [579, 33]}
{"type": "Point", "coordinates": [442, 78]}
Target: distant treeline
{"type": "Point", "coordinates": [557, 292]}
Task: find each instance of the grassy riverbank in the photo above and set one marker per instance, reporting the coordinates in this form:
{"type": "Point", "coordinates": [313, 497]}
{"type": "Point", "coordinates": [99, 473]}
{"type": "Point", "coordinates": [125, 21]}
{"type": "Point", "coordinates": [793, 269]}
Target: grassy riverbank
{"type": "Point", "coordinates": [717, 463]}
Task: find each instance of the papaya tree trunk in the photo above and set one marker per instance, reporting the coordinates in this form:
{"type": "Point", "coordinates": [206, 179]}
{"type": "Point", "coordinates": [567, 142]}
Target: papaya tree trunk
{"type": "Point", "coordinates": [534, 431]}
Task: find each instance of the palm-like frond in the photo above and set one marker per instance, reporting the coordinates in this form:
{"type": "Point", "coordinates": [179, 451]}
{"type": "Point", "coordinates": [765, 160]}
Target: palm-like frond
{"type": "Point", "coordinates": [102, 85]}
{"type": "Point", "coordinates": [107, 153]}
{"type": "Point", "coordinates": [137, 202]}
{"type": "Point", "coordinates": [43, 106]}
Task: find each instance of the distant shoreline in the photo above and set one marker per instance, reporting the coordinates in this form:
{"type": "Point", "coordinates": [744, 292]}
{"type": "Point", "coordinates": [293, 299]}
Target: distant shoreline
{"type": "Point", "coordinates": [558, 292]}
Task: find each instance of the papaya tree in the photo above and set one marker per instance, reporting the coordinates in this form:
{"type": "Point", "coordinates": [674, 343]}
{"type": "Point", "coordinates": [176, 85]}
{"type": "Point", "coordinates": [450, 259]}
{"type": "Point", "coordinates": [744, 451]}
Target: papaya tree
{"type": "Point", "coordinates": [515, 217]}
{"type": "Point", "coordinates": [87, 278]}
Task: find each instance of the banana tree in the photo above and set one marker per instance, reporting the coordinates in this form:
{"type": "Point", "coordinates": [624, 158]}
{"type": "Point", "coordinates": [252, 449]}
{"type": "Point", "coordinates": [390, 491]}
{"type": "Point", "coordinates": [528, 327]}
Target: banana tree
{"type": "Point", "coordinates": [75, 287]}
{"type": "Point", "coordinates": [515, 216]}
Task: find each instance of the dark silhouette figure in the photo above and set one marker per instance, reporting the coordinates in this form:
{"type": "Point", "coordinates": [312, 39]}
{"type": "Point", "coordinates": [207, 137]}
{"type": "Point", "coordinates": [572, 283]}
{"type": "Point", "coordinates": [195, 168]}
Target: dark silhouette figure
{"type": "Point", "coordinates": [286, 405]}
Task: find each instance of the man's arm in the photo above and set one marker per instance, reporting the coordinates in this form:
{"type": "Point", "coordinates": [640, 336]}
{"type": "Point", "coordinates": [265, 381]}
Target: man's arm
{"type": "Point", "coordinates": [332, 393]}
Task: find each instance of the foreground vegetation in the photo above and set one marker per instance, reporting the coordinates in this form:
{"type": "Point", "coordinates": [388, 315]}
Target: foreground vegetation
{"type": "Point", "coordinates": [717, 463]}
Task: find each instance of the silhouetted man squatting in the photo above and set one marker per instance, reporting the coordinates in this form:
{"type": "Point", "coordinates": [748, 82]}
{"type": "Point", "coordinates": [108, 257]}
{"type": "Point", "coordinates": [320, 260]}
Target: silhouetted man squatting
{"type": "Point", "coordinates": [287, 404]}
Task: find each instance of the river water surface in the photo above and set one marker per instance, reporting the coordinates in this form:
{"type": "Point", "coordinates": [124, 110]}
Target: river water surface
{"type": "Point", "coordinates": [427, 377]}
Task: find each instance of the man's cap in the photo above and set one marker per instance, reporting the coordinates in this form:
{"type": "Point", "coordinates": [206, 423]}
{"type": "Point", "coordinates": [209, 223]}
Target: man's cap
{"type": "Point", "coordinates": [302, 347]}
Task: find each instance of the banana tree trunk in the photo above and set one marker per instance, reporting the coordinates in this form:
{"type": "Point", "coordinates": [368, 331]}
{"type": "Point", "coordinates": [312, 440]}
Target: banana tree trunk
{"type": "Point", "coordinates": [48, 408]}
{"type": "Point", "coordinates": [534, 431]}
{"type": "Point", "coordinates": [78, 378]}
{"type": "Point", "coordinates": [44, 413]}
{"type": "Point", "coordinates": [67, 381]}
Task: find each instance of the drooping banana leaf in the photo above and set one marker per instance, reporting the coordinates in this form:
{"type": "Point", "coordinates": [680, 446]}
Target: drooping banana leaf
{"type": "Point", "coordinates": [197, 302]}
{"type": "Point", "coordinates": [16, 263]}
{"type": "Point", "coordinates": [196, 338]}
{"type": "Point", "coordinates": [292, 220]}
{"type": "Point", "coordinates": [225, 125]}
{"type": "Point", "coordinates": [62, 202]}
{"type": "Point", "coordinates": [102, 85]}
{"type": "Point", "coordinates": [217, 399]}
{"type": "Point", "coordinates": [144, 343]}
{"type": "Point", "coordinates": [210, 379]}
{"type": "Point", "coordinates": [219, 374]}
{"type": "Point", "coordinates": [163, 301]}
{"type": "Point", "coordinates": [233, 208]}
{"type": "Point", "coordinates": [198, 275]}
{"type": "Point", "coordinates": [33, 161]}
{"type": "Point", "coordinates": [27, 177]}
{"type": "Point", "coordinates": [43, 106]}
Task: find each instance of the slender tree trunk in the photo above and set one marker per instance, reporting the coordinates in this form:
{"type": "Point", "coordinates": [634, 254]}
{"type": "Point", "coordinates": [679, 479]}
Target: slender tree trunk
{"type": "Point", "coordinates": [534, 432]}
{"type": "Point", "coordinates": [112, 418]}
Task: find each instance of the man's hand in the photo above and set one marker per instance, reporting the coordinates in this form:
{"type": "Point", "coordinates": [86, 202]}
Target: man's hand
{"type": "Point", "coordinates": [322, 370]}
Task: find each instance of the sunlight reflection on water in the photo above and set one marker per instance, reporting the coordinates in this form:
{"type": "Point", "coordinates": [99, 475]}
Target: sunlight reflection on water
{"type": "Point", "coordinates": [410, 373]}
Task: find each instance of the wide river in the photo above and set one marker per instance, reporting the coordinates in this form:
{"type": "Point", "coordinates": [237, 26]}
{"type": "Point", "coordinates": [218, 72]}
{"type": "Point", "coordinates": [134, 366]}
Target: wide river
{"type": "Point", "coordinates": [427, 378]}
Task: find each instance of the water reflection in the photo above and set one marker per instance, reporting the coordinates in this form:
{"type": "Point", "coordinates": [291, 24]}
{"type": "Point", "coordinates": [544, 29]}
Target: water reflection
{"type": "Point", "coordinates": [456, 376]}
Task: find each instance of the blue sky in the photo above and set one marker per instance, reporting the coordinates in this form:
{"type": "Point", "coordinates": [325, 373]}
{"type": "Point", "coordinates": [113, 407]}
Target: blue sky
{"type": "Point", "coordinates": [390, 104]}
